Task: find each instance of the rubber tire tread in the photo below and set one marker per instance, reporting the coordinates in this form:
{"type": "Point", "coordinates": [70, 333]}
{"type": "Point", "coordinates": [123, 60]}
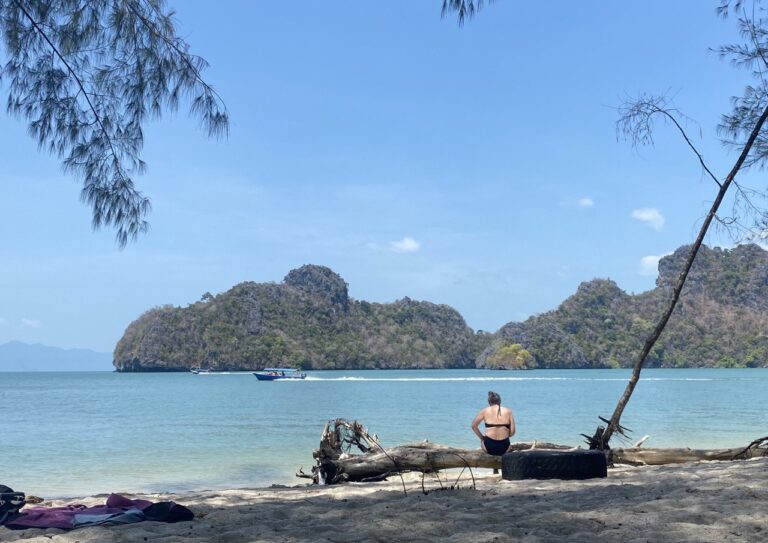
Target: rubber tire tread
{"type": "Point", "coordinates": [553, 465]}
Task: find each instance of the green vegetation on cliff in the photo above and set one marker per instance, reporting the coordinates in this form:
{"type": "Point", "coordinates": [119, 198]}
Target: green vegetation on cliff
{"type": "Point", "coordinates": [309, 321]}
{"type": "Point", "coordinates": [510, 356]}
{"type": "Point", "coordinates": [721, 321]}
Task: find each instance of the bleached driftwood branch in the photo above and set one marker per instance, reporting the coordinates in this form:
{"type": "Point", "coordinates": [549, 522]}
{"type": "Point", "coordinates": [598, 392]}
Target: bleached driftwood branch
{"type": "Point", "coordinates": [656, 457]}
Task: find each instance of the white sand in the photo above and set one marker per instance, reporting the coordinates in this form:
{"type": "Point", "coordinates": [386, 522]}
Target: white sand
{"type": "Point", "coordinates": [717, 501]}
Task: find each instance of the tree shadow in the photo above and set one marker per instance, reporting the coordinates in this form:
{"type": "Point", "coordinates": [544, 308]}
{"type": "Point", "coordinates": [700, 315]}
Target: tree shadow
{"type": "Point", "coordinates": [721, 502]}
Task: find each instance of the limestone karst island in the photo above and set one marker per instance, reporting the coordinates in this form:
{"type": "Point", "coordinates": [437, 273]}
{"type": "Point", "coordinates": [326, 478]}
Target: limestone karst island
{"type": "Point", "coordinates": [309, 321]}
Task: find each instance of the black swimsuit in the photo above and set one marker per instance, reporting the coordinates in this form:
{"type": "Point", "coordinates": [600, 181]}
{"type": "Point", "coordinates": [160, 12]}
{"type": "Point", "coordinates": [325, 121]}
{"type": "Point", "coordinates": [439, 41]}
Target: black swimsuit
{"type": "Point", "coordinates": [496, 447]}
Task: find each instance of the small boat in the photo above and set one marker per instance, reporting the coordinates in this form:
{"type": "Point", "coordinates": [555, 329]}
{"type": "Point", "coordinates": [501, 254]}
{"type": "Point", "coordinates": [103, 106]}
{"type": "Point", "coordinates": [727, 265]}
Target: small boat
{"type": "Point", "coordinates": [274, 374]}
{"type": "Point", "coordinates": [198, 371]}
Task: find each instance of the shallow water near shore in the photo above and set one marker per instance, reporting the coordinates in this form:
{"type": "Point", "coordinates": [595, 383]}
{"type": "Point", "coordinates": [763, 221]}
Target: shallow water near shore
{"type": "Point", "coordinates": [76, 434]}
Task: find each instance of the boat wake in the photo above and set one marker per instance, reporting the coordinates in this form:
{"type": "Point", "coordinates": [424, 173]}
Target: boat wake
{"type": "Point", "coordinates": [497, 379]}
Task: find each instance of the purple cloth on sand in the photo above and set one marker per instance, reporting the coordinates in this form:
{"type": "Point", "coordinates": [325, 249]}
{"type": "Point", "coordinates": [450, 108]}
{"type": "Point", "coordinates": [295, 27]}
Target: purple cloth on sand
{"type": "Point", "coordinates": [47, 517]}
{"type": "Point", "coordinates": [64, 517]}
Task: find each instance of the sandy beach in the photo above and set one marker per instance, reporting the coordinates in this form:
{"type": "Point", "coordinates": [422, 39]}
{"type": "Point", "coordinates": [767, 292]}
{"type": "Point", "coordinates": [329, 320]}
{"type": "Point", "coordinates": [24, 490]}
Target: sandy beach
{"type": "Point", "coordinates": [716, 501]}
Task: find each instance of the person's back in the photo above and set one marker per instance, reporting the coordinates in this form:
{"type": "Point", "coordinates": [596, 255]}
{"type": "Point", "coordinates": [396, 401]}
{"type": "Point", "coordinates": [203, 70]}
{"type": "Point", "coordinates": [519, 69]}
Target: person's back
{"type": "Point", "coordinates": [498, 422]}
{"type": "Point", "coordinates": [499, 426]}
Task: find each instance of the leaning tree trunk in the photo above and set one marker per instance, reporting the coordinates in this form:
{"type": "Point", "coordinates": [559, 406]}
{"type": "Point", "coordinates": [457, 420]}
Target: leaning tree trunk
{"type": "Point", "coordinates": [602, 436]}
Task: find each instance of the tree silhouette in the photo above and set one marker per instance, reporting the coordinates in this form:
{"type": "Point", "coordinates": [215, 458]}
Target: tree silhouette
{"type": "Point", "coordinates": [743, 129]}
{"type": "Point", "coordinates": [86, 76]}
{"type": "Point", "coordinates": [464, 9]}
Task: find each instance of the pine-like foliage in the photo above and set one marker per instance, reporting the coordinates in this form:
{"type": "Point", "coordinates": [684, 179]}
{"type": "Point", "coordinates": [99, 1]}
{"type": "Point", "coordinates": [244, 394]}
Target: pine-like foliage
{"type": "Point", "coordinates": [86, 75]}
{"type": "Point", "coordinates": [464, 9]}
{"type": "Point", "coordinates": [752, 54]}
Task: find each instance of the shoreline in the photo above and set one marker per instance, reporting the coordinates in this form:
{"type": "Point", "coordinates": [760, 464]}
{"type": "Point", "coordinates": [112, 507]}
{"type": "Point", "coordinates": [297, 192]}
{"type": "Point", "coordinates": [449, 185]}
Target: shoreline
{"type": "Point", "coordinates": [228, 433]}
{"type": "Point", "coordinates": [501, 371]}
{"type": "Point", "coordinates": [705, 501]}
{"type": "Point", "coordinates": [458, 368]}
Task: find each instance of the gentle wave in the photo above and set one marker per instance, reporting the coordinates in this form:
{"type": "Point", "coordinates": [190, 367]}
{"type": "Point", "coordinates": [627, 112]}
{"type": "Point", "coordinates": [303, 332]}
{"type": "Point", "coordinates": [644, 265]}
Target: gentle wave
{"type": "Point", "coordinates": [487, 378]}
{"type": "Point", "coordinates": [624, 379]}
{"type": "Point", "coordinates": [225, 373]}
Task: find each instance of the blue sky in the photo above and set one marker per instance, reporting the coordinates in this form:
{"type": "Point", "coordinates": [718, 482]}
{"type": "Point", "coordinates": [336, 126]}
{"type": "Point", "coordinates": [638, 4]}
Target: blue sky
{"type": "Point", "coordinates": [477, 166]}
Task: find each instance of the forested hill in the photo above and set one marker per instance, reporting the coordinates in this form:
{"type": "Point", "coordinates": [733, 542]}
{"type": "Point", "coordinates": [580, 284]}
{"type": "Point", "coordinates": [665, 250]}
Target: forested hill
{"type": "Point", "coordinates": [308, 320]}
{"type": "Point", "coordinates": [720, 321]}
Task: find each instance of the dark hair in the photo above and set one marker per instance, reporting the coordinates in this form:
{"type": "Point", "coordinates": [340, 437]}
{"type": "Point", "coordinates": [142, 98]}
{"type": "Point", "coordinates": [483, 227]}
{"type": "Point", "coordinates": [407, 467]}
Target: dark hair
{"type": "Point", "coordinates": [493, 398]}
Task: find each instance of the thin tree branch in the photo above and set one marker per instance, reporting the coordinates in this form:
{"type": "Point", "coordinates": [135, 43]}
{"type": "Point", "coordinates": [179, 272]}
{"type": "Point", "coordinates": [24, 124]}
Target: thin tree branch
{"type": "Point", "coordinates": [672, 118]}
{"type": "Point", "coordinates": [79, 82]}
{"type": "Point", "coordinates": [613, 424]}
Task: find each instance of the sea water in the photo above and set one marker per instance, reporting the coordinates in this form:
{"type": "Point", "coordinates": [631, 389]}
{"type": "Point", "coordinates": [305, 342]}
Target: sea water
{"type": "Point", "coordinates": [76, 434]}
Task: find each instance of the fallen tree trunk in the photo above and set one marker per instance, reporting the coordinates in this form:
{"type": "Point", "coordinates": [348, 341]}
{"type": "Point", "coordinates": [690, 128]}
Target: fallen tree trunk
{"type": "Point", "coordinates": [657, 457]}
{"type": "Point", "coordinates": [335, 463]}
{"type": "Point", "coordinates": [424, 457]}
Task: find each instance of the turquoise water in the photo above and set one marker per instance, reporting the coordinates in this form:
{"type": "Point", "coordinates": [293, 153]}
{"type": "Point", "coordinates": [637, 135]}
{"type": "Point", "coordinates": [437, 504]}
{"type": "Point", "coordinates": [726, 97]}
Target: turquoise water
{"type": "Point", "coordinates": [76, 434]}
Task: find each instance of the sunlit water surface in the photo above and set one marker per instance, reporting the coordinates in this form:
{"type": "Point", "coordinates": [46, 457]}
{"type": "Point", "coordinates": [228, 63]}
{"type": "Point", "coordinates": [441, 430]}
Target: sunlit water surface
{"type": "Point", "coordinates": [75, 434]}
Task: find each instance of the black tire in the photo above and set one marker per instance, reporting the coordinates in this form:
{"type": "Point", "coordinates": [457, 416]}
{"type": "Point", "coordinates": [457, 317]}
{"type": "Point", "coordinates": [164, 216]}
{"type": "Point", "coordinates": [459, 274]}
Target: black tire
{"type": "Point", "coordinates": [553, 465]}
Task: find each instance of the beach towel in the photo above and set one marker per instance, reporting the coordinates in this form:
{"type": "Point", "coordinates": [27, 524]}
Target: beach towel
{"type": "Point", "coordinates": [117, 510]}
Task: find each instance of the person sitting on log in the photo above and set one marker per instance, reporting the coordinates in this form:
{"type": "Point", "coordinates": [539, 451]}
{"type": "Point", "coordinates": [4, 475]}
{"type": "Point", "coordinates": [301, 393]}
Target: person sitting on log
{"type": "Point", "coordinates": [499, 426]}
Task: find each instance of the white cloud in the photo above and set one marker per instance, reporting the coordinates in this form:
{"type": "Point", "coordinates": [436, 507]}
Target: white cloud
{"type": "Point", "coordinates": [586, 201]}
{"type": "Point", "coordinates": [31, 323]}
{"type": "Point", "coordinates": [649, 265]}
{"type": "Point", "coordinates": [406, 245]}
{"type": "Point", "coordinates": [649, 215]}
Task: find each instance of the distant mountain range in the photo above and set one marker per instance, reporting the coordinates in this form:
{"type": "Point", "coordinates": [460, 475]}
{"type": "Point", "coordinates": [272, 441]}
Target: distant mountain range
{"type": "Point", "coordinates": [18, 356]}
{"type": "Point", "coordinates": [308, 320]}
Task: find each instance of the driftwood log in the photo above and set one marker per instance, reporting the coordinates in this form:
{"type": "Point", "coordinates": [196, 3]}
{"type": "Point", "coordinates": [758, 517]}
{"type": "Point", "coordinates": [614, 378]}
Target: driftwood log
{"type": "Point", "coordinates": [655, 457]}
{"type": "Point", "coordinates": [335, 462]}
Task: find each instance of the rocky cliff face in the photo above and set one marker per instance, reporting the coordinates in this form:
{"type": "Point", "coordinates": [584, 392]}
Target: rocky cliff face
{"type": "Point", "coordinates": [308, 320]}
{"type": "Point", "coordinates": [320, 284]}
{"type": "Point", "coordinates": [721, 320]}
{"type": "Point", "coordinates": [735, 277]}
